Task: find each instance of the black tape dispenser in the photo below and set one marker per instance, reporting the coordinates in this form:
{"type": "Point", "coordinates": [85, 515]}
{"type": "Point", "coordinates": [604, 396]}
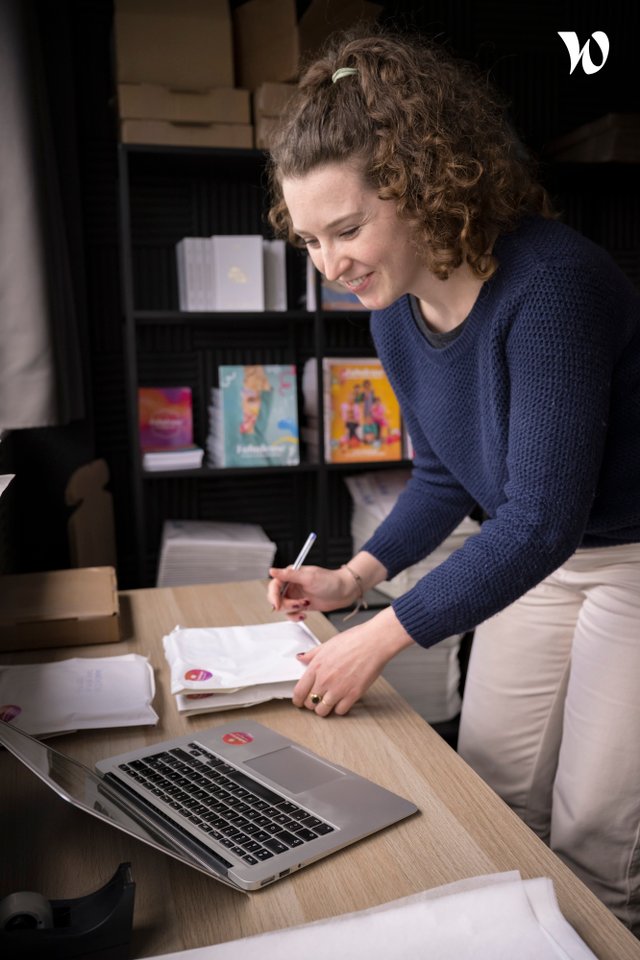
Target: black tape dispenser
{"type": "Point", "coordinates": [94, 927]}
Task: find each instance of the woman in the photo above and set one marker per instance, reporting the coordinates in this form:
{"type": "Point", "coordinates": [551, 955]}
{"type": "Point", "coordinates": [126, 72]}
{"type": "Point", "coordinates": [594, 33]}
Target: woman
{"type": "Point", "coordinates": [513, 346]}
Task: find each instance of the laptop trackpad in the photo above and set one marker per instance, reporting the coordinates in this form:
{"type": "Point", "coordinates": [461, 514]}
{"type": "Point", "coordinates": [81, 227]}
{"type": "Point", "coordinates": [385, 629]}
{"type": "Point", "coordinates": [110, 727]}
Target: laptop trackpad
{"type": "Point", "coordinates": [294, 770]}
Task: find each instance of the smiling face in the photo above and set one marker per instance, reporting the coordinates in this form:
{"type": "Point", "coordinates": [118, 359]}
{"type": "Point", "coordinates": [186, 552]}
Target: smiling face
{"type": "Point", "coordinates": [353, 236]}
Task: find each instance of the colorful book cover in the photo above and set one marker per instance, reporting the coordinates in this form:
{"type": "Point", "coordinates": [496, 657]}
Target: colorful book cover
{"type": "Point", "coordinates": [165, 418]}
{"type": "Point", "coordinates": [259, 414]}
{"type": "Point", "coordinates": [333, 295]}
{"type": "Point", "coordinates": [362, 414]}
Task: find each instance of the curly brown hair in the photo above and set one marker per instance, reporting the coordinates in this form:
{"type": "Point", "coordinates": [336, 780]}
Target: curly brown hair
{"type": "Point", "coordinates": [427, 131]}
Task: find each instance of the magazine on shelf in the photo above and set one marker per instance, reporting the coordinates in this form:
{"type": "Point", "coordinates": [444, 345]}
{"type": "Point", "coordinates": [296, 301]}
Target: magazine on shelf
{"type": "Point", "coordinates": [165, 425]}
{"type": "Point", "coordinates": [165, 418]}
{"type": "Point", "coordinates": [254, 417]}
{"type": "Point", "coordinates": [361, 412]}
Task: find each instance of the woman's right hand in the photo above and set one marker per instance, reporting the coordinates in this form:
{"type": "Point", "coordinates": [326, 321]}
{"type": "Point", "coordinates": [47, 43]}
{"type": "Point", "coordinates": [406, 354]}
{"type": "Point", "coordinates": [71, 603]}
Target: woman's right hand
{"type": "Point", "coordinates": [310, 588]}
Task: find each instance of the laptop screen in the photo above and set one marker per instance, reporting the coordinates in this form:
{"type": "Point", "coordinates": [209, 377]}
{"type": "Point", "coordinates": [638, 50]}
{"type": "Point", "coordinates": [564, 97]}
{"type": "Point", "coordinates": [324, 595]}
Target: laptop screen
{"type": "Point", "coordinates": [79, 785]}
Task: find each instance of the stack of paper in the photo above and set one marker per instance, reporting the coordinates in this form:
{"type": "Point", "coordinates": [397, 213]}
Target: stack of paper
{"type": "Point", "coordinates": [218, 668]}
{"type": "Point", "coordinates": [374, 495]}
{"type": "Point", "coordinates": [189, 458]}
{"type": "Point", "coordinates": [206, 551]}
{"type": "Point", "coordinates": [429, 679]}
{"type": "Point", "coordinates": [78, 694]}
{"type": "Point", "coordinates": [490, 917]}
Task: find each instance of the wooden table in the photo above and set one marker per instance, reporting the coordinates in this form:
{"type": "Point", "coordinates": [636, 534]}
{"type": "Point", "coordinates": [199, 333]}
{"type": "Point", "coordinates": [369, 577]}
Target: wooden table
{"type": "Point", "coordinates": [463, 828]}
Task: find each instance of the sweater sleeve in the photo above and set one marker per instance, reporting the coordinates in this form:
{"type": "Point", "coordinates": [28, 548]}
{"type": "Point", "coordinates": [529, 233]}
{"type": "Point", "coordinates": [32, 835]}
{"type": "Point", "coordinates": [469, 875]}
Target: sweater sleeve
{"type": "Point", "coordinates": [432, 505]}
{"type": "Point", "coordinates": [560, 355]}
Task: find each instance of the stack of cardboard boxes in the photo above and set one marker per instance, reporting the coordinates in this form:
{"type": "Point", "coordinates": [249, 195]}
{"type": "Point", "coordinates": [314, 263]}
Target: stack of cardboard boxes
{"type": "Point", "coordinates": [269, 102]}
{"type": "Point", "coordinates": [271, 46]}
{"type": "Point", "coordinates": [186, 71]}
{"type": "Point", "coordinates": [175, 73]}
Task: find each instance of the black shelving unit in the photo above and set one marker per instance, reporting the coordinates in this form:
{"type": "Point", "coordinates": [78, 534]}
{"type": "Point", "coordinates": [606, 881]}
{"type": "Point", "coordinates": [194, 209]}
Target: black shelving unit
{"type": "Point", "coordinates": [164, 195]}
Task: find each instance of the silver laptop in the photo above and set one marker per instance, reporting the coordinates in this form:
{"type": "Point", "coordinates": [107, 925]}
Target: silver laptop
{"type": "Point", "coordinates": [238, 802]}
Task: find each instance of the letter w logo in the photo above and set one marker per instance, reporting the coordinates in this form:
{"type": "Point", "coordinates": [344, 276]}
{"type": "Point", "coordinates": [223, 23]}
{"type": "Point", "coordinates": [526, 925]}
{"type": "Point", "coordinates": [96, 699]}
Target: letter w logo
{"type": "Point", "coordinates": [576, 54]}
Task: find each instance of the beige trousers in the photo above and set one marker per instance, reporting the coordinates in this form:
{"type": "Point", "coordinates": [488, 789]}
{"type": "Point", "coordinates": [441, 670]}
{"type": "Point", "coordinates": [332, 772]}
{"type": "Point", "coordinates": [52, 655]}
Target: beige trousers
{"type": "Point", "coordinates": [551, 717]}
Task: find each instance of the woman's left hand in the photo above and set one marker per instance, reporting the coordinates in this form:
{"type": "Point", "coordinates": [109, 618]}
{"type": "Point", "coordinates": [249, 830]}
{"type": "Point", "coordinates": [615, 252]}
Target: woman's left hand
{"type": "Point", "coordinates": [343, 668]}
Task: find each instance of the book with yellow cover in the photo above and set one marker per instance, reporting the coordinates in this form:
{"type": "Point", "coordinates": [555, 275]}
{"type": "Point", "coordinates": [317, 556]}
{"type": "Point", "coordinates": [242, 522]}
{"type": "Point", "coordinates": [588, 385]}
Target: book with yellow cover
{"type": "Point", "coordinates": [361, 412]}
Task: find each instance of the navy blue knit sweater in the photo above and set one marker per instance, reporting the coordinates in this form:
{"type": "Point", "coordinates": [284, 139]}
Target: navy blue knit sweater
{"type": "Point", "coordinates": [532, 412]}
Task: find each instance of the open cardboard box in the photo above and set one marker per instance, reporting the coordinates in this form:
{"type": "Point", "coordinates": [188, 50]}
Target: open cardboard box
{"type": "Point", "coordinates": [59, 608]}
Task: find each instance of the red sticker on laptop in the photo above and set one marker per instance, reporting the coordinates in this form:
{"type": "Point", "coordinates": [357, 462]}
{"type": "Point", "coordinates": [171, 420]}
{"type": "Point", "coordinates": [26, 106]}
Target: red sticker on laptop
{"type": "Point", "coordinates": [197, 674]}
{"type": "Point", "coordinates": [237, 738]}
{"type": "Point", "coordinates": [9, 712]}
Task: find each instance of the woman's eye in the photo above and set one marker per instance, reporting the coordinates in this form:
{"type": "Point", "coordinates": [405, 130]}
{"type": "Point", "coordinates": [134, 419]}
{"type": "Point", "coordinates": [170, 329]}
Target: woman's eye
{"type": "Point", "coordinates": [351, 232]}
{"type": "Point", "coordinates": [307, 242]}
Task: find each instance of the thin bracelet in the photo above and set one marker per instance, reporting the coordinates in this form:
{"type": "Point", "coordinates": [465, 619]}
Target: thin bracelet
{"type": "Point", "coordinates": [360, 602]}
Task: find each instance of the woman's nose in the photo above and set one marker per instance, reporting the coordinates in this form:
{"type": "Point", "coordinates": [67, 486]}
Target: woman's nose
{"type": "Point", "coordinates": [332, 263]}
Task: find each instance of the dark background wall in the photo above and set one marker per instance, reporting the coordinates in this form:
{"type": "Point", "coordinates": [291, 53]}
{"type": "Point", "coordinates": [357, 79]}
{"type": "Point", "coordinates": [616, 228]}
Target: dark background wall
{"type": "Point", "coordinates": [516, 42]}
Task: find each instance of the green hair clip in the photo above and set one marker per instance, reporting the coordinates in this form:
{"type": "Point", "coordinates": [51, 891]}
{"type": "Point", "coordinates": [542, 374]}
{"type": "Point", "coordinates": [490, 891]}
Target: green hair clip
{"type": "Point", "coordinates": [343, 72]}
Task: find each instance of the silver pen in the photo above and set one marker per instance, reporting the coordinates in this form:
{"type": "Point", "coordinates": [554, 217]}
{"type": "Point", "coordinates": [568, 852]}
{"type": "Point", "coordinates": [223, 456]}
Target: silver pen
{"type": "Point", "coordinates": [300, 559]}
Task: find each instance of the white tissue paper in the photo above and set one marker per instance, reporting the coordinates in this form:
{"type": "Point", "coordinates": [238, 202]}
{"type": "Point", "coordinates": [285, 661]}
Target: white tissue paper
{"type": "Point", "coordinates": [492, 917]}
{"type": "Point", "coordinates": [215, 668]}
{"type": "Point", "coordinates": [80, 693]}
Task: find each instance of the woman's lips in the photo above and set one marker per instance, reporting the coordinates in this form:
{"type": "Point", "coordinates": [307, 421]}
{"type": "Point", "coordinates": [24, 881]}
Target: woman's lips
{"type": "Point", "coordinates": [359, 284]}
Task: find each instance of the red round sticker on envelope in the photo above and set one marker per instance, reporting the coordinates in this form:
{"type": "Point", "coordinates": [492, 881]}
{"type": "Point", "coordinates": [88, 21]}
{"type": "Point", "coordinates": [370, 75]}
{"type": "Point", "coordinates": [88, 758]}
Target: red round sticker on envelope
{"type": "Point", "coordinates": [197, 675]}
{"type": "Point", "coordinates": [237, 738]}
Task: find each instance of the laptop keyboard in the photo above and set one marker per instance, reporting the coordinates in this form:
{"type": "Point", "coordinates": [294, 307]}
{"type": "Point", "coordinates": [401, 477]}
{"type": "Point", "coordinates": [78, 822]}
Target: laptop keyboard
{"type": "Point", "coordinates": [242, 814]}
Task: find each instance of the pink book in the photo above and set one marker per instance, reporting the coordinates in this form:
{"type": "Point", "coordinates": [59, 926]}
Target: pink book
{"type": "Point", "coordinates": [165, 418]}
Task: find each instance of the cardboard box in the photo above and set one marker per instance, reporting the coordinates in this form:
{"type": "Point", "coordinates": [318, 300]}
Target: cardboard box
{"type": "Point", "coordinates": [271, 99]}
{"type": "Point", "coordinates": [264, 130]}
{"type": "Point", "coordinates": [270, 44]}
{"type": "Point", "coordinates": [614, 138]}
{"type": "Point", "coordinates": [184, 44]}
{"type": "Point", "coordinates": [148, 101]}
{"type": "Point", "coordinates": [169, 133]}
{"type": "Point", "coordinates": [323, 17]}
{"type": "Point", "coordinates": [266, 42]}
{"type": "Point", "coordinates": [59, 608]}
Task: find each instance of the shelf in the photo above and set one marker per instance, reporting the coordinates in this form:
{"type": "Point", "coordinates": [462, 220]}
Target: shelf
{"type": "Point", "coordinates": [213, 472]}
{"type": "Point", "coordinates": [222, 153]}
{"type": "Point", "coordinates": [167, 193]}
{"type": "Point", "coordinates": [307, 467]}
{"type": "Point", "coordinates": [196, 317]}
{"type": "Point", "coordinates": [361, 466]}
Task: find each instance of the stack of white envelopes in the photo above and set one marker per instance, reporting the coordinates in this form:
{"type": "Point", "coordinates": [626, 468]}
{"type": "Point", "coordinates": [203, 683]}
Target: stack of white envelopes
{"type": "Point", "coordinates": [81, 693]}
{"type": "Point", "coordinates": [218, 668]}
{"type": "Point", "coordinates": [206, 551]}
